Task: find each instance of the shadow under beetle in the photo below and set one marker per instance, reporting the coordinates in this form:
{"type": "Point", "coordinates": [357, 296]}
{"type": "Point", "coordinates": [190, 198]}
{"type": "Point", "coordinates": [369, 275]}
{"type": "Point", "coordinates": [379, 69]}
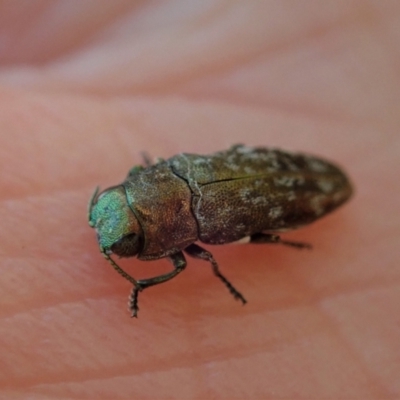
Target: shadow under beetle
{"type": "Point", "coordinates": [241, 194]}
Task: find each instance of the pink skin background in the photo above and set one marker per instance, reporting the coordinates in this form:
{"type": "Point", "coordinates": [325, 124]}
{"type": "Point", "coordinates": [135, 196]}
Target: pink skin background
{"type": "Point", "coordinates": [88, 85]}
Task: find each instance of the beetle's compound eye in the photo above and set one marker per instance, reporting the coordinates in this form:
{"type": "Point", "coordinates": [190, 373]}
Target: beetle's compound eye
{"type": "Point", "coordinates": [128, 246]}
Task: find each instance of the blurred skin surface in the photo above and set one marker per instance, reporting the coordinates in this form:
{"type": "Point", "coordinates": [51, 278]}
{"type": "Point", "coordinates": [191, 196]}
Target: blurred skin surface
{"type": "Point", "coordinates": [85, 86]}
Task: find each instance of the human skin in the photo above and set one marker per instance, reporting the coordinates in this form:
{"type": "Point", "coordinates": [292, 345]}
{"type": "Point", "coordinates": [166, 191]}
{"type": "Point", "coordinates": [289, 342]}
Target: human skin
{"type": "Point", "coordinates": [86, 87]}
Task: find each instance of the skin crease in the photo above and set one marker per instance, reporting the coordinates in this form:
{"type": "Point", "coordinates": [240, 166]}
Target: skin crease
{"type": "Point", "coordinates": [86, 86]}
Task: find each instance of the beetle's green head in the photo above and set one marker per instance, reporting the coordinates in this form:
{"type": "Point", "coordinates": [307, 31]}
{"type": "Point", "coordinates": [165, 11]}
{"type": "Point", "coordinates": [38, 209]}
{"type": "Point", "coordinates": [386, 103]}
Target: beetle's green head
{"type": "Point", "coordinates": [118, 230]}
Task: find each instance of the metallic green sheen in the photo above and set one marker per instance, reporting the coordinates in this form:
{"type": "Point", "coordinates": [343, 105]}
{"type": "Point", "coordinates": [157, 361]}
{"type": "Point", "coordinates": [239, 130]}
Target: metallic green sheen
{"type": "Point", "coordinates": [111, 217]}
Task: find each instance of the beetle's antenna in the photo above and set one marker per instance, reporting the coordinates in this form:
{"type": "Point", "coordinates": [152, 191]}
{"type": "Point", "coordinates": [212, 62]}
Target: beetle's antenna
{"type": "Point", "coordinates": [119, 269]}
{"type": "Point", "coordinates": [90, 205]}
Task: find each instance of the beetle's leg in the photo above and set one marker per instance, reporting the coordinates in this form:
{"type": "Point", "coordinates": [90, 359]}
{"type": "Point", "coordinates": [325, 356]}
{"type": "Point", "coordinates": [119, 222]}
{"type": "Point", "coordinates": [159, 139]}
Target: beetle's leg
{"type": "Point", "coordinates": [196, 251]}
{"type": "Point", "coordinates": [119, 269]}
{"type": "Point", "coordinates": [179, 262]}
{"type": "Point", "coordinates": [148, 161]}
{"type": "Point", "coordinates": [269, 238]}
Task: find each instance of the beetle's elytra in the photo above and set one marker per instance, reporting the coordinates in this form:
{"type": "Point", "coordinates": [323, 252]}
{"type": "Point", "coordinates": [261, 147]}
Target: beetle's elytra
{"type": "Point", "coordinates": [161, 210]}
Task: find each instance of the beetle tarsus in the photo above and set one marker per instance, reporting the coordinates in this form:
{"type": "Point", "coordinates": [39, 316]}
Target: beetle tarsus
{"type": "Point", "coordinates": [235, 293]}
{"type": "Point", "coordinates": [298, 245]}
{"type": "Point", "coordinates": [196, 251]}
{"type": "Point", "coordinates": [260, 238]}
{"type": "Point", "coordinates": [179, 262]}
{"type": "Point", "coordinates": [133, 302]}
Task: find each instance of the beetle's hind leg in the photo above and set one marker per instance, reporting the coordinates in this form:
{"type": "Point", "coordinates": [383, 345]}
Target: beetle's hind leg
{"type": "Point", "coordinates": [270, 238]}
{"type": "Point", "coordinates": [196, 251]}
{"type": "Point", "coordinates": [179, 262]}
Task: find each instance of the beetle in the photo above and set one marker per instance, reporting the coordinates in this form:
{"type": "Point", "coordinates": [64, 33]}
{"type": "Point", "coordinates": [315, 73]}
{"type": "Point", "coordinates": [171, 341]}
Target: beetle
{"type": "Point", "coordinates": [240, 194]}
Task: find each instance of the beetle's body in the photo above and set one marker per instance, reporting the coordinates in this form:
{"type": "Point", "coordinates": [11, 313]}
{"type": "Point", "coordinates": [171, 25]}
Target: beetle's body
{"type": "Point", "coordinates": [216, 199]}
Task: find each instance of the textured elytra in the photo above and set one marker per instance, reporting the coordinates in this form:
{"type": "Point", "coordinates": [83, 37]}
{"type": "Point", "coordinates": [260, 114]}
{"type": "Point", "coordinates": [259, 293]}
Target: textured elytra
{"type": "Point", "coordinates": [242, 194]}
{"type": "Point", "coordinates": [243, 190]}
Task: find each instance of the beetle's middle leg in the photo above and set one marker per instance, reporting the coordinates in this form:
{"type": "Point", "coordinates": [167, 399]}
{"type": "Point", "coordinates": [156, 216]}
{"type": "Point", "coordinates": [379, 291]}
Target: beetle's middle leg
{"type": "Point", "coordinates": [270, 238]}
{"type": "Point", "coordinates": [179, 262]}
{"type": "Point", "coordinates": [196, 251]}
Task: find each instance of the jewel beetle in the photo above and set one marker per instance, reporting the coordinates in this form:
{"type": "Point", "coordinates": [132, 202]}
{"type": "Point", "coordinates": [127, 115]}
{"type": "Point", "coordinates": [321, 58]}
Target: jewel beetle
{"type": "Point", "coordinates": [240, 194]}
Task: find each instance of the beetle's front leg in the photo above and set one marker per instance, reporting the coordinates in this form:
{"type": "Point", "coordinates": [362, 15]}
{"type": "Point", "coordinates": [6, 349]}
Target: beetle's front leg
{"type": "Point", "coordinates": [270, 238]}
{"type": "Point", "coordinates": [179, 262]}
{"type": "Point", "coordinates": [196, 251]}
